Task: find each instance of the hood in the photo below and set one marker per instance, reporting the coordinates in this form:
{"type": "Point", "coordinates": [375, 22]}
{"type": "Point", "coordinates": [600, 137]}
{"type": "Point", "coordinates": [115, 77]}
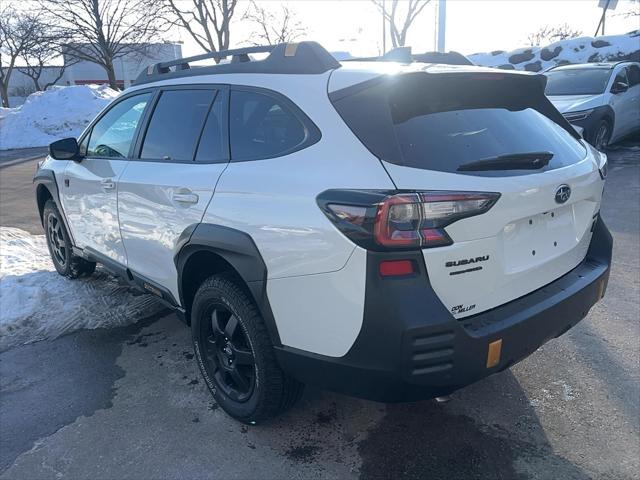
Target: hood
{"type": "Point", "coordinates": [575, 103]}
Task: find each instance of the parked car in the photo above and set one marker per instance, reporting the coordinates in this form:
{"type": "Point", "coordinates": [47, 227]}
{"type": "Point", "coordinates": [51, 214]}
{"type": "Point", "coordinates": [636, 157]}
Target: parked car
{"type": "Point", "coordinates": [602, 99]}
{"type": "Point", "coordinates": [390, 231]}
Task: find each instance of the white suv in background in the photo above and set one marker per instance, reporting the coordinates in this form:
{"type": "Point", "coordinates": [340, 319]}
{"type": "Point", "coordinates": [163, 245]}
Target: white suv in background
{"type": "Point", "coordinates": [390, 231]}
{"type": "Point", "coordinates": [602, 99]}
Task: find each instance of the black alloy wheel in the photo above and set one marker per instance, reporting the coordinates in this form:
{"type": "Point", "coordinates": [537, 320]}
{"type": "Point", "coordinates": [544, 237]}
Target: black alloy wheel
{"type": "Point", "coordinates": [235, 353]}
{"type": "Point", "coordinates": [228, 355]}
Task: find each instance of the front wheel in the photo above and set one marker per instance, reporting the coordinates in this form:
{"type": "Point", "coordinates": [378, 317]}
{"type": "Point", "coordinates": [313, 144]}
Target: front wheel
{"type": "Point", "coordinates": [602, 135]}
{"type": "Point", "coordinates": [235, 354]}
{"type": "Point", "coordinates": [60, 247]}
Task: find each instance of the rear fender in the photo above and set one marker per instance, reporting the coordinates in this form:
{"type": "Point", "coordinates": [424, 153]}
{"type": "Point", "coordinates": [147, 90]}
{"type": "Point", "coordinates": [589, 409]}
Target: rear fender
{"type": "Point", "coordinates": [238, 249]}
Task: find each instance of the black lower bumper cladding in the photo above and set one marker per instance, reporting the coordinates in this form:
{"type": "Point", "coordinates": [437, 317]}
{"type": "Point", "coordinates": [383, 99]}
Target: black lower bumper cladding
{"type": "Point", "coordinates": [410, 347]}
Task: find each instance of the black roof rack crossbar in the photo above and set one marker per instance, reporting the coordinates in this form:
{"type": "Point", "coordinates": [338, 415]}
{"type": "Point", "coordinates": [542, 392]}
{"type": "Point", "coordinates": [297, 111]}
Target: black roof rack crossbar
{"type": "Point", "coordinates": [294, 58]}
{"type": "Point", "coordinates": [163, 67]}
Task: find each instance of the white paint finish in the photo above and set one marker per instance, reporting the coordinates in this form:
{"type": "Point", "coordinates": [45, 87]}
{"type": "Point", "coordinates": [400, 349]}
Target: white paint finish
{"type": "Point", "coordinates": [152, 215]}
{"type": "Point", "coordinates": [274, 200]}
{"type": "Point", "coordinates": [505, 234]}
{"type": "Point", "coordinates": [625, 105]}
{"type": "Point", "coordinates": [321, 313]}
{"type": "Point", "coordinates": [90, 204]}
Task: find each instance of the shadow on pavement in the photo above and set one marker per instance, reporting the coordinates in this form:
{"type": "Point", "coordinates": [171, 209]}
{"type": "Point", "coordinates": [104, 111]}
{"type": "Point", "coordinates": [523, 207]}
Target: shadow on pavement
{"type": "Point", "coordinates": [427, 440]}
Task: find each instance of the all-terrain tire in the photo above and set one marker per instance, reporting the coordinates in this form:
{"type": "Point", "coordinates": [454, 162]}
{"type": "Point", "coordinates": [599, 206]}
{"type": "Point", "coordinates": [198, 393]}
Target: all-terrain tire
{"type": "Point", "coordinates": [60, 247]}
{"type": "Point", "coordinates": [273, 391]}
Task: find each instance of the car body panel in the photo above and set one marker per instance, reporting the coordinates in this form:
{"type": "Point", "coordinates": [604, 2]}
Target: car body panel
{"type": "Point", "coordinates": [273, 200]}
{"type": "Point", "coordinates": [576, 103]}
{"type": "Point", "coordinates": [321, 313]}
{"type": "Point", "coordinates": [89, 197]}
{"type": "Point", "coordinates": [151, 217]}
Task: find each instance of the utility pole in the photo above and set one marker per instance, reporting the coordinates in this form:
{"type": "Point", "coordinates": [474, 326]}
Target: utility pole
{"type": "Point", "coordinates": [442, 24]}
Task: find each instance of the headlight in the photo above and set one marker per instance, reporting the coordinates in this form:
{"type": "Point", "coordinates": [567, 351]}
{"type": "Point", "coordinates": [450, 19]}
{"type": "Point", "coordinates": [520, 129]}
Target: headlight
{"type": "Point", "coordinates": [603, 165]}
{"type": "Point", "coordinates": [577, 116]}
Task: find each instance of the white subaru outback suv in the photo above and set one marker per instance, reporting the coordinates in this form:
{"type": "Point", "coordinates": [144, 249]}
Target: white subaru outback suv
{"type": "Point", "coordinates": [390, 231]}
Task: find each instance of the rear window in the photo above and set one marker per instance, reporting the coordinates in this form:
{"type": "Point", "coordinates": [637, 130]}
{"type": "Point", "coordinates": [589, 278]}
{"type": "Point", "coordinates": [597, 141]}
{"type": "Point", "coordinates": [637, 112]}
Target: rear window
{"type": "Point", "coordinates": [445, 122]}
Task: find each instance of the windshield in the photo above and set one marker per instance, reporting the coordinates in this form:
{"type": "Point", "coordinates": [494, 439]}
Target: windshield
{"type": "Point", "coordinates": [579, 81]}
{"type": "Point", "coordinates": [441, 122]}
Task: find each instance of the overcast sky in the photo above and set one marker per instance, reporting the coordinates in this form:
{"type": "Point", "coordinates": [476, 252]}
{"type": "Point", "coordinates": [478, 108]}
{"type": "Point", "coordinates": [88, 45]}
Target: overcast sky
{"type": "Point", "coordinates": [472, 25]}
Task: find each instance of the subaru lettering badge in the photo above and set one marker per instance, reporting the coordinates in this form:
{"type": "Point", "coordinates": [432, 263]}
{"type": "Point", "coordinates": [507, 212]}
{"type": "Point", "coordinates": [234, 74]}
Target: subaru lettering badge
{"type": "Point", "coordinates": [563, 193]}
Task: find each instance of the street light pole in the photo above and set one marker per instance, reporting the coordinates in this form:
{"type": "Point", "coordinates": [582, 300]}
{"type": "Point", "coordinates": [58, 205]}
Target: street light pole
{"type": "Point", "coordinates": [442, 24]}
{"type": "Point", "coordinates": [384, 30]}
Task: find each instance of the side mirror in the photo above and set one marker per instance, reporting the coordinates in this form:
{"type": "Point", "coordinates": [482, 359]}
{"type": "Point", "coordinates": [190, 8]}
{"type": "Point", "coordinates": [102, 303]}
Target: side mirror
{"type": "Point", "coordinates": [619, 87]}
{"type": "Point", "coordinates": [65, 149]}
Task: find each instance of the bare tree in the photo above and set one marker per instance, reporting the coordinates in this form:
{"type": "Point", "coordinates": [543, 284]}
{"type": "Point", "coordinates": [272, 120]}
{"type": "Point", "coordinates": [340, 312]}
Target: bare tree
{"type": "Point", "coordinates": [549, 34]}
{"type": "Point", "coordinates": [46, 48]}
{"type": "Point", "coordinates": [101, 31]}
{"type": "Point", "coordinates": [16, 37]}
{"type": "Point", "coordinates": [399, 24]}
{"type": "Point", "coordinates": [207, 21]}
{"type": "Point", "coordinates": [273, 27]}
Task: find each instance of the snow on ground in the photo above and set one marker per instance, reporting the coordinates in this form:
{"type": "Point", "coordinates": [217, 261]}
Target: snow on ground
{"type": "Point", "coordinates": [56, 113]}
{"type": "Point", "coordinates": [37, 304]}
{"type": "Point", "coordinates": [575, 50]}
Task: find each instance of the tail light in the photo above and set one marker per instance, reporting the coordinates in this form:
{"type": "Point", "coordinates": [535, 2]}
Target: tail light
{"type": "Point", "coordinates": [407, 220]}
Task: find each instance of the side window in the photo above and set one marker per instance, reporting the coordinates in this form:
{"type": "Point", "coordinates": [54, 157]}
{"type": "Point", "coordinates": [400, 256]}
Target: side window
{"type": "Point", "coordinates": [112, 135]}
{"type": "Point", "coordinates": [633, 74]}
{"type": "Point", "coordinates": [262, 126]}
{"type": "Point", "coordinates": [212, 147]}
{"type": "Point", "coordinates": [621, 77]}
{"type": "Point", "coordinates": [176, 124]}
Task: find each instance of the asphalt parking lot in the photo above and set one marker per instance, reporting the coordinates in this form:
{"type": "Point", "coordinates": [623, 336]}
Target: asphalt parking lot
{"type": "Point", "coordinates": [129, 402]}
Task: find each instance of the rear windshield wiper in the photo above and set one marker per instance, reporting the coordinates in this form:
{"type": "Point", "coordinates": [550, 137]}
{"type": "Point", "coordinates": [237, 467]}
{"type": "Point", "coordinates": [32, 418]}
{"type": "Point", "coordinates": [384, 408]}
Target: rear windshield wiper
{"type": "Point", "coordinates": [513, 161]}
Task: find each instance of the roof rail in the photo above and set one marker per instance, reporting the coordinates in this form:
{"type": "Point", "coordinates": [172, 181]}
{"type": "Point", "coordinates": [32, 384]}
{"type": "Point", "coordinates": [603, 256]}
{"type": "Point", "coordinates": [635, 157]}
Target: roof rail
{"type": "Point", "coordinates": [293, 58]}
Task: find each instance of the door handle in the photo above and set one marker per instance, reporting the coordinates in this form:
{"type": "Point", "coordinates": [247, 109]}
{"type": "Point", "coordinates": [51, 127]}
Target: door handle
{"type": "Point", "coordinates": [185, 197]}
{"type": "Point", "coordinates": [108, 184]}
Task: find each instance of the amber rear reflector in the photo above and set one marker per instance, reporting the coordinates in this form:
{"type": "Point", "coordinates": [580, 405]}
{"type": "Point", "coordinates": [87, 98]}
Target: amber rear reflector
{"type": "Point", "coordinates": [493, 355]}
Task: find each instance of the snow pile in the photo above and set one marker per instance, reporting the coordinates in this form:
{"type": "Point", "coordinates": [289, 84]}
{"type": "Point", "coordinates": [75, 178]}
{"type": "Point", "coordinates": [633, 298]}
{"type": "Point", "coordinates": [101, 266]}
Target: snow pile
{"type": "Point", "coordinates": [51, 115]}
{"type": "Point", "coordinates": [575, 50]}
{"type": "Point", "coordinates": [36, 303]}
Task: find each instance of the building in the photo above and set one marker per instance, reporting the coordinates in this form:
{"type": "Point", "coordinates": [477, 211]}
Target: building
{"type": "Point", "coordinates": [127, 69]}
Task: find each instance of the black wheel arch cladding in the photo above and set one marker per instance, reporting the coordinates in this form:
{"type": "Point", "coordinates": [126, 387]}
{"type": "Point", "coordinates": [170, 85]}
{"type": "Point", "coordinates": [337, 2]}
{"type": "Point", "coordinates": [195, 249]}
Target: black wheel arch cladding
{"type": "Point", "coordinates": [239, 251]}
{"type": "Point", "coordinates": [47, 187]}
{"type": "Point", "coordinates": [592, 122]}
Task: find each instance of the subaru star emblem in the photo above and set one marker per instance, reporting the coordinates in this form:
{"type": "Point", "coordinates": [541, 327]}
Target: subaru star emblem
{"type": "Point", "coordinates": [563, 193]}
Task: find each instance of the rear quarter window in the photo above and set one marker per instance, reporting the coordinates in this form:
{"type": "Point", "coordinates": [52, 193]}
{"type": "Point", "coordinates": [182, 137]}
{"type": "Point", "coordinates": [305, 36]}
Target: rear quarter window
{"type": "Point", "coordinates": [264, 126]}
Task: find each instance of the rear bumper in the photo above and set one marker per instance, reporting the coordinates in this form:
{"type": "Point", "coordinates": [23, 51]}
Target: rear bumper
{"type": "Point", "coordinates": [410, 346]}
